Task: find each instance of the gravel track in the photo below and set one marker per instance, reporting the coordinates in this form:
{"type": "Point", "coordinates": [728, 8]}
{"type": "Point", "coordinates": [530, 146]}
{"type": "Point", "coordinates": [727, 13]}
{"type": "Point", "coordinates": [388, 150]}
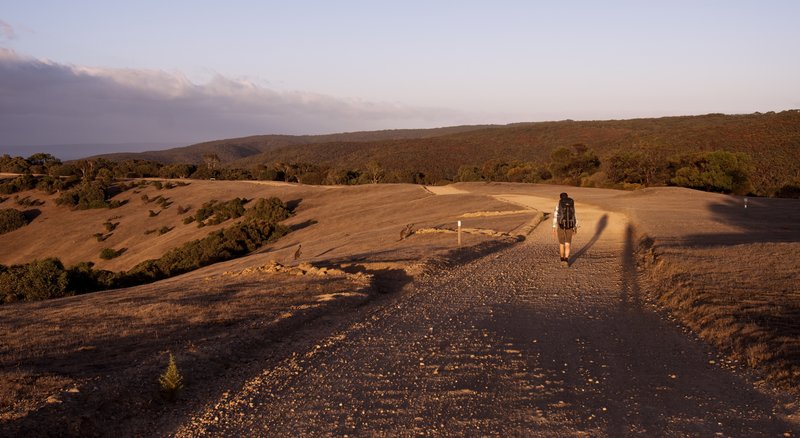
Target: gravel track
{"type": "Point", "coordinates": [511, 344]}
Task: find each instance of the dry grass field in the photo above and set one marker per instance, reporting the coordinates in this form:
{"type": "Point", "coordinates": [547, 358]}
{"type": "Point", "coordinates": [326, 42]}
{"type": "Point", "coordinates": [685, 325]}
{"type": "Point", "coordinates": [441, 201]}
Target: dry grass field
{"type": "Point", "coordinates": [89, 364]}
{"type": "Point", "coordinates": [111, 346]}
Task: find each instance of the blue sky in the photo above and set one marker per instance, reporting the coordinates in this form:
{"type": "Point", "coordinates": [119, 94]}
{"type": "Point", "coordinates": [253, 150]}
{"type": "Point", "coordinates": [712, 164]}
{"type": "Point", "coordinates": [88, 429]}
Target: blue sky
{"type": "Point", "coordinates": [186, 71]}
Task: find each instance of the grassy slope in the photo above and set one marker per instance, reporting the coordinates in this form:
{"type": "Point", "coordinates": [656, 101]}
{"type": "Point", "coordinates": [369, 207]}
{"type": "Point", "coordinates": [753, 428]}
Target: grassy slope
{"type": "Point", "coordinates": [111, 346]}
{"type": "Point", "coordinates": [318, 207]}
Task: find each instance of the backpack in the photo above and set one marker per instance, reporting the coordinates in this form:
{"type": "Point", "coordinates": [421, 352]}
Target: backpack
{"type": "Point", "coordinates": [566, 213]}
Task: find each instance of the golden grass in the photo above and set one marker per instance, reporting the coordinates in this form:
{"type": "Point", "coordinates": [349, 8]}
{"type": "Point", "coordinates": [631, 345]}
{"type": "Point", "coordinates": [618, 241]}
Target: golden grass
{"type": "Point", "coordinates": [743, 299]}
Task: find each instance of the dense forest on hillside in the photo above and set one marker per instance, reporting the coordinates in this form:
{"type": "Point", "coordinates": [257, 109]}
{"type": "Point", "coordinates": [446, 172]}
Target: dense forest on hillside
{"type": "Point", "coordinates": [771, 142]}
{"type": "Point", "coordinates": [741, 154]}
{"type": "Point", "coordinates": [233, 149]}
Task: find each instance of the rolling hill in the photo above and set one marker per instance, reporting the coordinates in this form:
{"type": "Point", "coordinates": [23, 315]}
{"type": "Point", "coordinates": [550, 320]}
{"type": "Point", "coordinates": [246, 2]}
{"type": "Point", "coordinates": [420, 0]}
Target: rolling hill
{"type": "Point", "coordinates": [772, 140]}
{"type": "Point", "coordinates": [229, 150]}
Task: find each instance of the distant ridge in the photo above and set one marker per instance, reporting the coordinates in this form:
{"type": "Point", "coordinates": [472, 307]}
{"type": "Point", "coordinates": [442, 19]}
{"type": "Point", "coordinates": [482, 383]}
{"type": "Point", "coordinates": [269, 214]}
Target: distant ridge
{"type": "Point", "coordinates": [771, 139]}
{"type": "Point", "coordinates": [229, 150]}
{"type": "Point", "coordinates": [76, 151]}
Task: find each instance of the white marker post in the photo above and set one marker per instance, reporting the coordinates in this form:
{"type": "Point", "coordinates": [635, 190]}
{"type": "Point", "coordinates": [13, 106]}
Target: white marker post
{"type": "Point", "coordinates": [745, 202]}
{"type": "Point", "coordinates": [459, 233]}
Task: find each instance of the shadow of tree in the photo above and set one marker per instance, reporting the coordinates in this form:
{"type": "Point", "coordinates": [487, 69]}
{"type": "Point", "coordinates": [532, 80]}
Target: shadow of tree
{"type": "Point", "coordinates": [293, 204]}
{"type": "Point", "coordinates": [764, 220]}
{"type": "Point", "coordinates": [32, 214]}
{"type": "Point", "coordinates": [302, 225]}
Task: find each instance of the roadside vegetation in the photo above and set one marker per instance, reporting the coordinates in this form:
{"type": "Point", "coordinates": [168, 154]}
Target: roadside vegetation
{"type": "Point", "coordinates": [749, 314]}
{"type": "Point", "coordinates": [716, 171]}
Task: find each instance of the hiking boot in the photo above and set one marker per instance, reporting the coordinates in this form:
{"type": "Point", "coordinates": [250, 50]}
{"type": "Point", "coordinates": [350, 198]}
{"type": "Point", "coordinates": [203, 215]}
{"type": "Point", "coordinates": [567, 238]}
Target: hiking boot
{"type": "Point", "coordinates": [564, 262]}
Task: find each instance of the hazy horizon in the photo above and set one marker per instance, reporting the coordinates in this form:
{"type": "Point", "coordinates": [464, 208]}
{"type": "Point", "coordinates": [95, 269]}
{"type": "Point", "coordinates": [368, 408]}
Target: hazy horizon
{"type": "Point", "coordinates": [67, 152]}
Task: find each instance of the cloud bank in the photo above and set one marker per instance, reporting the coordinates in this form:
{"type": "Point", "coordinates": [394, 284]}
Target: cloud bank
{"type": "Point", "coordinates": [49, 103]}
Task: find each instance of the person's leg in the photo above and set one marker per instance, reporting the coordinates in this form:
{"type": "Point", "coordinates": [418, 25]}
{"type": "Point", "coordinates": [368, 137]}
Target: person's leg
{"type": "Point", "coordinates": [562, 239]}
{"type": "Point", "coordinates": [567, 242]}
{"type": "Point", "coordinates": [562, 249]}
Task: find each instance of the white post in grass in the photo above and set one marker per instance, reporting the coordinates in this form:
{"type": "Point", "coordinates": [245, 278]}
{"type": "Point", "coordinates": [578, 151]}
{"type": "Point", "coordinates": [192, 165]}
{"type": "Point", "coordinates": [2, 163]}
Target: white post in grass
{"type": "Point", "coordinates": [459, 233]}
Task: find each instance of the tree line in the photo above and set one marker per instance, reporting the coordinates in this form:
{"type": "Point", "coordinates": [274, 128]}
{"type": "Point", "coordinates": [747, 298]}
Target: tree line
{"type": "Point", "coordinates": [90, 183]}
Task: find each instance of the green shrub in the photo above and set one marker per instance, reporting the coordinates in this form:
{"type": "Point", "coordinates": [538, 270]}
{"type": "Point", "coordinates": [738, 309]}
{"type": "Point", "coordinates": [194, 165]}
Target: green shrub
{"type": "Point", "coordinates": [50, 184]}
{"type": "Point", "coordinates": [718, 171]}
{"type": "Point", "coordinates": [45, 279]}
{"type": "Point", "coordinates": [214, 212]}
{"type": "Point", "coordinates": [163, 202]}
{"type": "Point", "coordinates": [572, 164]}
{"type": "Point", "coordinates": [27, 201]}
{"type": "Point", "coordinates": [110, 226]}
{"type": "Point", "coordinates": [8, 284]}
{"type": "Point", "coordinates": [176, 171]}
{"type": "Point", "coordinates": [86, 195]}
{"type": "Point", "coordinates": [14, 164]}
{"type": "Point", "coordinates": [268, 209]}
{"type": "Point", "coordinates": [37, 280]}
{"type": "Point", "coordinates": [19, 184]}
{"type": "Point", "coordinates": [218, 246]}
{"type": "Point", "coordinates": [627, 167]}
{"type": "Point", "coordinates": [205, 211]}
{"type": "Point", "coordinates": [11, 219]}
{"type": "Point", "coordinates": [109, 253]}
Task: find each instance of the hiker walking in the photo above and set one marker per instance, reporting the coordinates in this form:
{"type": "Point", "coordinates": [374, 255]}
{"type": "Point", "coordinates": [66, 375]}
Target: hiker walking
{"type": "Point", "coordinates": [565, 225]}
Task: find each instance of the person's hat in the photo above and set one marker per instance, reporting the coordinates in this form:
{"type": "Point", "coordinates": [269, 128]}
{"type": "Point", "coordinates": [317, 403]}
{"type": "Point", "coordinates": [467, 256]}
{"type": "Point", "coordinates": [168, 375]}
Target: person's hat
{"type": "Point", "coordinates": [563, 195]}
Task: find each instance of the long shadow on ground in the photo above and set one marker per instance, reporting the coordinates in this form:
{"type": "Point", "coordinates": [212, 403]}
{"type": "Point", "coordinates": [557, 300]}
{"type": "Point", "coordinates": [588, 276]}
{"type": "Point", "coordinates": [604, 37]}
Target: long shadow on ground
{"type": "Point", "coordinates": [601, 226]}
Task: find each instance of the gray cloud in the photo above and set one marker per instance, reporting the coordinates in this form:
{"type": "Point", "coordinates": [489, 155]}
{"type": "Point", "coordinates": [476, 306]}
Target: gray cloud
{"type": "Point", "coordinates": [50, 103]}
{"type": "Point", "coordinates": [7, 31]}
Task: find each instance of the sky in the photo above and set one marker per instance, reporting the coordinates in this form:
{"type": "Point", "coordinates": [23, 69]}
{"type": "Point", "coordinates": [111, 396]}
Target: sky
{"type": "Point", "coordinates": [179, 72]}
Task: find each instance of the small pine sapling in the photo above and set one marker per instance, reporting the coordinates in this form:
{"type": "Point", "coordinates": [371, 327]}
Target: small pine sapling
{"type": "Point", "coordinates": [171, 381]}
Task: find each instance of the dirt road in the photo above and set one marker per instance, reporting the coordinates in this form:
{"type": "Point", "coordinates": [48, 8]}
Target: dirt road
{"type": "Point", "coordinates": [510, 344]}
